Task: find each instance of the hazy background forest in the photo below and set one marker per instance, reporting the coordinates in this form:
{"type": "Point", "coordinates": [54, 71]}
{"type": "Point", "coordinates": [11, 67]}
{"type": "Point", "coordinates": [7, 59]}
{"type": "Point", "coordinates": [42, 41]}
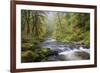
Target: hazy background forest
{"type": "Point", "coordinates": [45, 35]}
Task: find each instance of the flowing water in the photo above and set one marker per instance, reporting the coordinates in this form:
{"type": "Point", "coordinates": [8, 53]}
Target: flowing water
{"type": "Point", "coordinates": [62, 51]}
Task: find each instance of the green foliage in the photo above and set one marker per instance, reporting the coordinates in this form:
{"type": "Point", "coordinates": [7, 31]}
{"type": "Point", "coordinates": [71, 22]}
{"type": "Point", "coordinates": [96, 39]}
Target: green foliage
{"type": "Point", "coordinates": [35, 55]}
{"type": "Point", "coordinates": [33, 25]}
{"type": "Point", "coordinates": [87, 38]}
{"type": "Point", "coordinates": [72, 27]}
{"type": "Point", "coordinates": [42, 53]}
{"type": "Point", "coordinates": [26, 46]}
{"type": "Point", "coordinates": [28, 56]}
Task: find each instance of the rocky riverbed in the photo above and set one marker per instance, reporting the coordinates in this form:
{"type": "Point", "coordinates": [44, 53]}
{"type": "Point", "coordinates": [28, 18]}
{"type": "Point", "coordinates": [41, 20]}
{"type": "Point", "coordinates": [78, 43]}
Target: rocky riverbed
{"type": "Point", "coordinates": [61, 51]}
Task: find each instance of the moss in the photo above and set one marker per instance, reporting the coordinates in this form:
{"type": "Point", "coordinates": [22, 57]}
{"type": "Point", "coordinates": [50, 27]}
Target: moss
{"type": "Point", "coordinates": [45, 50]}
{"type": "Point", "coordinates": [28, 56]}
{"type": "Point", "coordinates": [26, 46]}
{"type": "Point", "coordinates": [42, 54]}
{"type": "Point", "coordinates": [38, 55]}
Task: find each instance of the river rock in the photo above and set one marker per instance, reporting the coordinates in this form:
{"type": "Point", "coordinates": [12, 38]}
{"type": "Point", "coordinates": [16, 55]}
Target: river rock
{"type": "Point", "coordinates": [51, 53]}
{"type": "Point", "coordinates": [52, 58]}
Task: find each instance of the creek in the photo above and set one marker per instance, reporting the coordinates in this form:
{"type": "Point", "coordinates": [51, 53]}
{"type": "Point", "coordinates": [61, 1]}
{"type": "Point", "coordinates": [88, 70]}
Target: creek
{"type": "Point", "coordinates": [64, 51]}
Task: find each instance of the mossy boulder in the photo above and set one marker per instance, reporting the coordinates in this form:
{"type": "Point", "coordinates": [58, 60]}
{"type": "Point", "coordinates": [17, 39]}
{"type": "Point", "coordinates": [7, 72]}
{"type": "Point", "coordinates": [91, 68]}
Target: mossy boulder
{"type": "Point", "coordinates": [42, 54]}
{"type": "Point", "coordinates": [28, 56]}
{"type": "Point", "coordinates": [38, 55]}
{"type": "Point", "coordinates": [26, 46]}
